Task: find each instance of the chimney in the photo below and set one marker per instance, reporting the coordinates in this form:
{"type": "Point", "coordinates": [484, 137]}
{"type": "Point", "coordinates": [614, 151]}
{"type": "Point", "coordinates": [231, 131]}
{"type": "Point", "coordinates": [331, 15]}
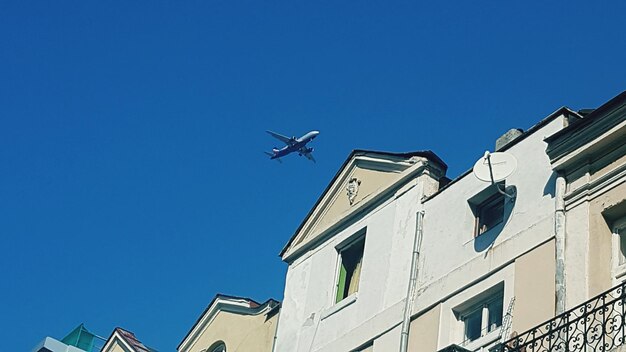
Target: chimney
{"type": "Point", "coordinates": [508, 137]}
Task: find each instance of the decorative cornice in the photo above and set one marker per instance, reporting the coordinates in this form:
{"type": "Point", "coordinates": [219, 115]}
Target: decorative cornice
{"type": "Point", "coordinates": [573, 143]}
{"type": "Point", "coordinates": [595, 188]}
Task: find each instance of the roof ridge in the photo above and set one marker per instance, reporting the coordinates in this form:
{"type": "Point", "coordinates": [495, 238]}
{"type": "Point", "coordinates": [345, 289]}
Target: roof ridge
{"type": "Point", "coordinates": [130, 338]}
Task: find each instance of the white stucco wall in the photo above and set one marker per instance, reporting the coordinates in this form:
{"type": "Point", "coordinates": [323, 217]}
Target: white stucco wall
{"type": "Point", "coordinates": [309, 318]}
{"type": "Point", "coordinates": [453, 260]}
{"type": "Point", "coordinates": [453, 265]}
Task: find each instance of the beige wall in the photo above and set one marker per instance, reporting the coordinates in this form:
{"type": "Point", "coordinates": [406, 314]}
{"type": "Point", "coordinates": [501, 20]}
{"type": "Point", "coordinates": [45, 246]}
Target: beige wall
{"type": "Point", "coordinates": [116, 347]}
{"type": "Point", "coordinates": [588, 241]}
{"type": "Point", "coordinates": [240, 333]}
{"type": "Point", "coordinates": [600, 244]}
{"type": "Point", "coordinates": [371, 182]}
{"type": "Point", "coordinates": [534, 288]}
{"type": "Point", "coordinates": [424, 332]}
{"type": "Point", "coordinates": [609, 162]}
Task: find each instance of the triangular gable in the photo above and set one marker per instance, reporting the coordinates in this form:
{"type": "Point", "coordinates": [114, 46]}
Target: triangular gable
{"type": "Point", "coordinates": [224, 303]}
{"type": "Point", "coordinates": [116, 344]}
{"type": "Point", "coordinates": [124, 341]}
{"type": "Point", "coordinates": [363, 177]}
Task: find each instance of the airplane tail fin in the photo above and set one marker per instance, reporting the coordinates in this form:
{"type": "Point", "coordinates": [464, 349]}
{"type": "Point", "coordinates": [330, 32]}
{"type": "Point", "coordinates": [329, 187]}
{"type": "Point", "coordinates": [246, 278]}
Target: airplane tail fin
{"type": "Point", "coordinates": [271, 155]}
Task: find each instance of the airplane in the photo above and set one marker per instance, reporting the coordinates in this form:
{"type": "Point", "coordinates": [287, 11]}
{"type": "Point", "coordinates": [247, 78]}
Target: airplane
{"type": "Point", "coordinates": [293, 144]}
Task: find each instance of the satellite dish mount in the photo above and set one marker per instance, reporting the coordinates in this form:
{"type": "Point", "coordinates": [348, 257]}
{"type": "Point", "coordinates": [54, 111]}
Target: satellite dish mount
{"type": "Point", "coordinates": [495, 167]}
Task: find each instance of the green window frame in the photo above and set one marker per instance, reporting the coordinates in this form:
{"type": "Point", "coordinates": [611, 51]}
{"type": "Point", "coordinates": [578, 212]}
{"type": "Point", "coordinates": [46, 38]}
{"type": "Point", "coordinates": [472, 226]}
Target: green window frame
{"type": "Point", "coordinates": [350, 263]}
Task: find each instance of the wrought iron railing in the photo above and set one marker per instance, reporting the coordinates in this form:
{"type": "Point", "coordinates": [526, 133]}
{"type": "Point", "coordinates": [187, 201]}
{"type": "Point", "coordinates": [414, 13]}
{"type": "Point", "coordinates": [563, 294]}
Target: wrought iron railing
{"type": "Point", "coordinates": [596, 325]}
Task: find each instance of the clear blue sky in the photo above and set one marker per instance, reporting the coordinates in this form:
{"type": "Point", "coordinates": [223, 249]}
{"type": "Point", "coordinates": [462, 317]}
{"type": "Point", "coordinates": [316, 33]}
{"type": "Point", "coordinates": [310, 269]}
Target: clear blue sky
{"type": "Point", "coordinates": [133, 186]}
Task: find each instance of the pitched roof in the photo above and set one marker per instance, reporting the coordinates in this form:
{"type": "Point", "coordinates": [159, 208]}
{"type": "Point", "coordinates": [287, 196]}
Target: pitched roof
{"type": "Point", "coordinates": [428, 154]}
{"type": "Point", "coordinates": [132, 340]}
{"type": "Point", "coordinates": [129, 339]}
{"type": "Point", "coordinates": [235, 304]}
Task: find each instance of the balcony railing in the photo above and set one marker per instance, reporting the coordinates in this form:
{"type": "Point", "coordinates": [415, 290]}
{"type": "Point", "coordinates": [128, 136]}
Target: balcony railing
{"type": "Point", "coordinates": [594, 326]}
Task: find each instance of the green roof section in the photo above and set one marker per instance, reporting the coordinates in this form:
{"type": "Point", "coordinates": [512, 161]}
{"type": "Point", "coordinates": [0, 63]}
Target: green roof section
{"type": "Point", "coordinates": [80, 338]}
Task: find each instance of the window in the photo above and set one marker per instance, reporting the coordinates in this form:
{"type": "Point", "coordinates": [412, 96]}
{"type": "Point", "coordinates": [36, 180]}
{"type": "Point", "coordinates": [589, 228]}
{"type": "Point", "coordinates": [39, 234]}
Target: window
{"type": "Point", "coordinates": [621, 232]}
{"type": "Point", "coordinates": [351, 257]}
{"type": "Point", "coordinates": [489, 214]}
{"type": "Point", "coordinates": [488, 208]}
{"type": "Point", "coordinates": [483, 317]}
{"type": "Point", "coordinates": [619, 251]}
{"type": "Point", "coordinates": [217, 347]}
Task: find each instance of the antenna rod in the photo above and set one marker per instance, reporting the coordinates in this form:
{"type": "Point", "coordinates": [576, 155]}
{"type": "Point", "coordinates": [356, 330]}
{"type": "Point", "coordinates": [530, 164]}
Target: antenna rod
{"type": "Point", "coordinates": [488, 157]}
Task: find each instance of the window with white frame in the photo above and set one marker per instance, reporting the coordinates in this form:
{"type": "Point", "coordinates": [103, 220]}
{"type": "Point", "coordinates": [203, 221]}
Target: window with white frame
{"type": "Point", "coordinates": [481, 315]}
{"type": "Point", "coordinates": [350, 261]}
{"type": "Point", "coordinates": [217, 347]}
{"type": "Point", "coordinates": [221, 348]}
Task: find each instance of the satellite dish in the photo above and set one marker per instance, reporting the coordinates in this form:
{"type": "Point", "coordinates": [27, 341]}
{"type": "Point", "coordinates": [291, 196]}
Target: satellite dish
{"type": "Point", "coordinates": [495, 167]}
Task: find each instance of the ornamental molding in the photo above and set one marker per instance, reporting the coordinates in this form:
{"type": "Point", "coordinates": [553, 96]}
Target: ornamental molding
{"type": "Point", "coordinates": [353, 189]}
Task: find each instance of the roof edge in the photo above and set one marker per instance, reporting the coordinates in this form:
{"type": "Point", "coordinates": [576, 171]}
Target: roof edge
{"type": "Point", "coordinates": [428, 154]}
{"type": "Point", "coordinates": [588, 119]}
{"type": "Point", "coordinates": [564, 110]}
{"type": "Point", "coordinates": [254, 307]}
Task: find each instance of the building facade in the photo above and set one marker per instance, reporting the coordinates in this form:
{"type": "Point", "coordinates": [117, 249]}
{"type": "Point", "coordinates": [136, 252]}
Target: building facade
{"type": "Point", "coordinates": [233, 324]}
{"type": "Point", "coordinates": [396, 257]}
{"type": "Point", "coordinates": [489, 248]}
{"type": "Point", "coordinates": [349, 261]}
{"type": "Point", "coordinates": [589, 159]}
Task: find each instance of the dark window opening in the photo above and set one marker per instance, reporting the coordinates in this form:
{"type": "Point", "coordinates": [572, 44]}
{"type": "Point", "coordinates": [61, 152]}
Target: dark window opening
{"type": "Point", "coordinates": [350, 269]}
{"type": "Point", "coordinates": [489, 214]}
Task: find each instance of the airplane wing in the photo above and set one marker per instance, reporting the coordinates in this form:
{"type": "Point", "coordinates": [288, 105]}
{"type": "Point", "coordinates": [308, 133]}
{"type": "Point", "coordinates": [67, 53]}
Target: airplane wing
{"type": "Point", "coordinates": [307, 154]}
{"type": "Point", "coordinates": [310, 156]}
{"type": "Point", "coordinates": [281, 138]}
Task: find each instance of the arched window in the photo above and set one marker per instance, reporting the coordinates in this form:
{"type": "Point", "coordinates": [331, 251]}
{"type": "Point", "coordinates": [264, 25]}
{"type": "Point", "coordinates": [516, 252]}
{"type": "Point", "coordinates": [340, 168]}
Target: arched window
{"type": "Point", "coordinates": [218, 346]}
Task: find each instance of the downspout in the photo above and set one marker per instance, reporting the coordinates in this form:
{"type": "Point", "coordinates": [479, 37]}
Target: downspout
{"type": "Point", "coordinates": [410, 294]}
{"type": "Point", "coordinates": [276, 331]}
{"type": "Point", "coordinates": [559, 235]}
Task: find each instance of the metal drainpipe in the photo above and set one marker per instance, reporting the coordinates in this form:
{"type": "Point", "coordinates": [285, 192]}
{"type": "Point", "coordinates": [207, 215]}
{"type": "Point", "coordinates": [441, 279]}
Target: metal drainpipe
{"type": "Point", "coordinates": [276, 331]}
{"type": "Point", "coordinates": [559, 235]}
{"type": "Point", "coordinates": [410, 295]}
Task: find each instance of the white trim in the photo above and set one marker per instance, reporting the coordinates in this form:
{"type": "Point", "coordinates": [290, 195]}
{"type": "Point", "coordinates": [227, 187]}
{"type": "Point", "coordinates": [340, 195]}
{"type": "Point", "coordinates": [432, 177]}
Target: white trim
{"type": "Point", "coordinates": [233, 305]}
{"type": "Point", "coordinates": [618, 270]}
{"type": "Point", "coordinates": [339, 306]}
{"type": "Point", "coordinates": [304, 238]}
{"type": "Point", "coordinates": [116, 337]}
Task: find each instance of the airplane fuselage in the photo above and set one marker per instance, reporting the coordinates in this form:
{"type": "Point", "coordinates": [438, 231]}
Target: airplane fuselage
{"type": "Point", "coordinates": [296, 146]}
